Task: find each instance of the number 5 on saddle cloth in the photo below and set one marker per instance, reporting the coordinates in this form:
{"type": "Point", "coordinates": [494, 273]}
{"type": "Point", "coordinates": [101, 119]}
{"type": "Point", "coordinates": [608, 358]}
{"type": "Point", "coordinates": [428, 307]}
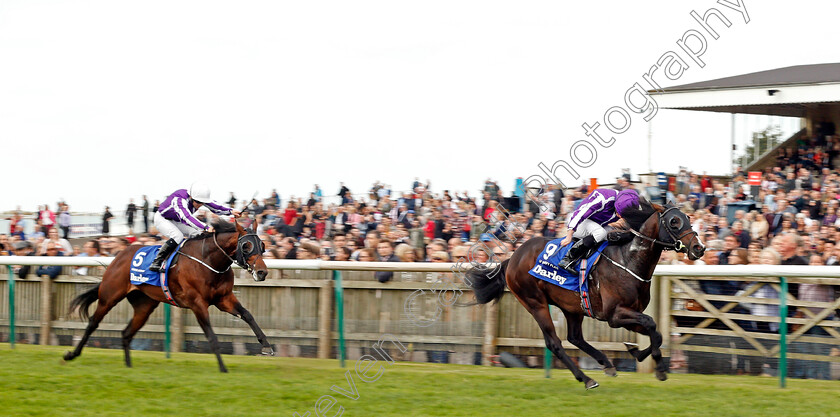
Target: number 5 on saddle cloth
{"type": "Point", "coordinates": [140, 273]}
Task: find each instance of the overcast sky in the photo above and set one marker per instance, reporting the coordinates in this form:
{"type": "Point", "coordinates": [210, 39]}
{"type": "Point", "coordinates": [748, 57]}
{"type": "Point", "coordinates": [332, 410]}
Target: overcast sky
{"type": "Point", "coordinates": [101, 101]}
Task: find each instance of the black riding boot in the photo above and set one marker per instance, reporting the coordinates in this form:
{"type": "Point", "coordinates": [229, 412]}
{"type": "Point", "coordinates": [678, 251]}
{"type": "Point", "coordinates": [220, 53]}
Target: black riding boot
{"type": "Point", "coordinates": [576, 252]}
{"type": "Point", "coordinates": [164, 253]}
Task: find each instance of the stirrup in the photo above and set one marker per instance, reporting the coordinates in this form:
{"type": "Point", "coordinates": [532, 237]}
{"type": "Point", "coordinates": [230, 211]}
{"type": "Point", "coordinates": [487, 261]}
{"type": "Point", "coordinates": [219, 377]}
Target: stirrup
{"type": "Point", "coordinates": [570, 268]}
{"type": "Point", "coordinates": [156, 268]}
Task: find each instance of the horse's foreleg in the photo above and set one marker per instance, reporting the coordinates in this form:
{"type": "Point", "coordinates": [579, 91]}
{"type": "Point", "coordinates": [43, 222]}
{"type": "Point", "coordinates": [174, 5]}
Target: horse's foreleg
{"type": "Point", "coordinates": [143, 308]}
{"type": "Point", "coordinates": [552, 342]}
{"type": "Point", "coordinates": [231, 305]}
{"type": "Point", "coordinates": [202, 315]}
{"type": "Point", "coordinates": [574, 333]}
{"type": "Point", "coordinates": [643, 324]}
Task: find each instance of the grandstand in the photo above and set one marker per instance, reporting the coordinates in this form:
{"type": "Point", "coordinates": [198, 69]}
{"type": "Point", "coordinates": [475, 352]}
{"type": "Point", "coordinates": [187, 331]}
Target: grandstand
{"type": "Point", "coordinates": [810, 92]}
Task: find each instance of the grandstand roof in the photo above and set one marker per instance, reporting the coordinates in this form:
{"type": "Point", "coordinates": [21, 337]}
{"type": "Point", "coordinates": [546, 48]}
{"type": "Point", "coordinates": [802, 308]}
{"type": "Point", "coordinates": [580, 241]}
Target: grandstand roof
{"type": "Point", "coordinates": [788, 91]}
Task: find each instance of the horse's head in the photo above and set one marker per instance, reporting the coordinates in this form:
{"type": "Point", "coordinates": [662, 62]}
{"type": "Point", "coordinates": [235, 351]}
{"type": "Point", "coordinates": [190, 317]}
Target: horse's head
{"type": "Point", "coordinates": [249, 250]}
{"type": "Point", "coordinates": [675, 229]}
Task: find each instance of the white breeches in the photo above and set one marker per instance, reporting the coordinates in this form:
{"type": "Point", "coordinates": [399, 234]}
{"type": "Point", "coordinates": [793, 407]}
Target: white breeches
{"type": "Point", "coordinates": [174, 230]}
{"type": "Point", "coordinates": [589, 228]}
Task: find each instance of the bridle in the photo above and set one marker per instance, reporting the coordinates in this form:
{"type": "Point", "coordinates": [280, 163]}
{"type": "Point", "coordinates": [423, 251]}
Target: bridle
{"type": "Point", "coordinates": [677, 244]}
{"type": "Point", "coordinates": [242, 253]}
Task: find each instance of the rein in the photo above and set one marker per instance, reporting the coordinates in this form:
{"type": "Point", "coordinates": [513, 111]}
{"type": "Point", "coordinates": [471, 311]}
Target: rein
{"type": "Point", "coordinates": [626, 269]}
{"type": "Point", "coordinates": [232, 261]}
{"type": "Point", "coordinates": [676, 246]}
{"type": "Point", "coordinates": [223, 251]}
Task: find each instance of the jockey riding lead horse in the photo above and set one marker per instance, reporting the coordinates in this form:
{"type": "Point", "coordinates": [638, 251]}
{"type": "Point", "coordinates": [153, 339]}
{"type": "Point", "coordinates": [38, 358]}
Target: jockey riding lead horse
{"type": "Point", "coordinates": [619, 284]}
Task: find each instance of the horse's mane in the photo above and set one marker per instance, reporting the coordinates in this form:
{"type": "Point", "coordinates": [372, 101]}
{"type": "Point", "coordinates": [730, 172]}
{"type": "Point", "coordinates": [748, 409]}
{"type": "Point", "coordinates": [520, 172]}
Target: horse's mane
{"type": "Point", "coordinates": [634, 217]}
{"type": "Point", "coordinates": [220, 226]}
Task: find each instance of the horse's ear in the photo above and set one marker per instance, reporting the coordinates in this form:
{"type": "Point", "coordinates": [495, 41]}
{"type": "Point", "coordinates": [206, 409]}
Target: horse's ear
{"type": "Point", "coordinates": [657, 207]}
{"type": "Point", "coordinates": [239, 228]}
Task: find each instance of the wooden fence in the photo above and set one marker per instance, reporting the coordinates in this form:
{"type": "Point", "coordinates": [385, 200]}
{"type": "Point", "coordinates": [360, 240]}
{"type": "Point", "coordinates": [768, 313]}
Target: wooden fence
{"type": "Point", "coordinates": [296, 309]}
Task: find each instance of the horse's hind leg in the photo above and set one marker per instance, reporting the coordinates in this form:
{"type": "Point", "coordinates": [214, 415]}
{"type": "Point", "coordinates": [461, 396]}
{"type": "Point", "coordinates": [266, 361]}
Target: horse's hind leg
{"type": "Point", "coordinates": [143, 308]}
{"type": "Point", "coordinates": [203, 318]}
{"type": "Point", "coordinates": [103, 306]}
{"type": "Point", "coordinates": [229, 304]}
{"type": "Point", "coordinates": [575, 335]}
{"type": "Point", "coordinates": [553, 343]}
{"type": "Point", "coordinates": [642, 323]}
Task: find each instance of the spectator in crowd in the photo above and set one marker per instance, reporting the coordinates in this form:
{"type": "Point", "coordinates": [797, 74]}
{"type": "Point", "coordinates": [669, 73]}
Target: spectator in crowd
{"type": "Point", "coordinates": [64, 221]}
{"type": "Point", "coordinates": [106, 221]}
{"type": "Point", "coordinates": [405, 253]}
{"type": "Point", "coordinates": [119, 244]}
{"type": "Point", "coordinates": [130, 211]}
{"type": "Point", "coordinates": [6, 247]}
{"type": "Point", "coordinates": [52, 271]}
{"type": "Point", "coordinates": [729, 244]}
{"type": "Point", "coordinates": [89, 250]}
{"type": "Point", "coordinates": [741, 235]}
{"type": "Point", "coordinates": [308, 250]}
{"type": "Point", "coordinates": [723, 228]}
{"type": "Point", "coordinates": [738, 256]}
{"type": "Point", "coordinates": [343, 254]}
{"type": "Point", "coordinates": [367, 255]}
{"type": "Point", "coordinates": [106, 246]}
{"type": "Point", "coordinates": [344, 193]}
{"type": "Point", "coordinates": [144, 211]}
{"type": "Point", "coordinates": [288, 248]}
{"type": "Point", "coordinates": [385, 252]}
{"type": "Point", "coordinates": [768, 256]}
{"type": "Point", "coordinates": [46, 218]}
{"type": "Point", "coordinates": [440, 256]}
{"type": "Point", "coordinates": [22, 248]}
{"type": "Point", "coordinates": [816, 293]}
{"type": "Point", "coordinates": [52, 238]}
{"type": "Point", "coordinates": [18, 232]}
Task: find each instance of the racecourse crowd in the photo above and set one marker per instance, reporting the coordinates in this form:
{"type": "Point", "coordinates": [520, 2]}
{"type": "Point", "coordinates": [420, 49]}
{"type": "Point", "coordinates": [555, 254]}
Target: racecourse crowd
{"type": "Point", "coordinates": [791, 218]}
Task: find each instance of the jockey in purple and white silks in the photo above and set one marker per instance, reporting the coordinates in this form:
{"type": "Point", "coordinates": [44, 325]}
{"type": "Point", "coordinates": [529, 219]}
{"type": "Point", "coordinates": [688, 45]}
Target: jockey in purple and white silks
{"type": "Point", "coordinates": [174, 219]}
{"type": "Point", "coordinates": [601, 207]}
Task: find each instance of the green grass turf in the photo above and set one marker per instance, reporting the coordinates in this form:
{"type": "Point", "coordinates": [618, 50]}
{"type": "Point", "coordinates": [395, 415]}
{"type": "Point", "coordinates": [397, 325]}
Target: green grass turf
{"type": "Point", "coordinates": [35, 382]}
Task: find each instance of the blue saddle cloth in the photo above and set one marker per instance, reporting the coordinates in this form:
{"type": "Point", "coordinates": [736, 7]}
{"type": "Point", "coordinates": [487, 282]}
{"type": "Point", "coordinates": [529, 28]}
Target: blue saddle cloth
{"type": "Point", "coordinates": [547, 267]}
{"type": "Point", "coordinates": [140, 273]}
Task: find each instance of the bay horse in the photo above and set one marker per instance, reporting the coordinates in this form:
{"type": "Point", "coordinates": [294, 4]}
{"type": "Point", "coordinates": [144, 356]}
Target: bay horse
{"type": "Point", "coordinates": [619, 286]}
{"type": "Point", "coordinates": [201, 278]}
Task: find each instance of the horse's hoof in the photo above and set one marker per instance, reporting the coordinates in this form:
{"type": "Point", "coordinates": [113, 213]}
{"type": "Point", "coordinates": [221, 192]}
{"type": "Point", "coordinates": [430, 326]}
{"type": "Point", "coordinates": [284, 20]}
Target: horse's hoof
{"type": "Point", "coordinates": [268, 351]}
{"type": "Point", "coordinates": [68, 356]}
{"type": "Point", "coordinates": [591, 384]}
{"type": "Point", "coordinates": [661, 375]}
{"type": "Point", "coordinates": [629, 345]}
{"type": "Point", "coordinates": [223, 370]}
{"type": "Point", "coordinates": [610, 371]}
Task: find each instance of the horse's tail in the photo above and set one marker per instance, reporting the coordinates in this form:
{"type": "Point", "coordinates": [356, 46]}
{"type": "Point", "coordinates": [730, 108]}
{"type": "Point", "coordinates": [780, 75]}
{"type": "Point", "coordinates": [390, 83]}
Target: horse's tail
{"type": "Point", "coordinates": [83, 301]}
{"type": "Point", "coordinates": [488, 284]}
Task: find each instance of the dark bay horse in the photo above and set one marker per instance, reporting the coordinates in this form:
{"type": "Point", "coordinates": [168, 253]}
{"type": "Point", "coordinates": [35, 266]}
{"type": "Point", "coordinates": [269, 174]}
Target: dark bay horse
{"type": "Point", "coordinates": [619, 291]}
{"type": "Point", "coordinates": [192, 283]}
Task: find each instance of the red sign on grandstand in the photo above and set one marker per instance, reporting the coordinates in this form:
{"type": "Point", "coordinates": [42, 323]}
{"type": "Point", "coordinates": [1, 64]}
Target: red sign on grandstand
{"type": "Point", "coordinates": [754, 178]}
